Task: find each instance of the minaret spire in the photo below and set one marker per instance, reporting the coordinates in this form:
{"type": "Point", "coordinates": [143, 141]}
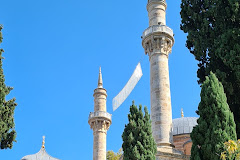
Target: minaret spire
{"type": "Point", "coordinates": [100, 81]}
{"type": "Point", "coordinates": [99, 120]}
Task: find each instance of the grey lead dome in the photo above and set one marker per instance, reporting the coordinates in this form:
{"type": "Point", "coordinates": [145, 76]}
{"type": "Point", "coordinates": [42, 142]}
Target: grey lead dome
{"type": "Point", "coordinates": [156, 1]}
{"type": "Point", "coordinates": [41, 155]}
{"type": "Point", "coordinates": [184, 125]}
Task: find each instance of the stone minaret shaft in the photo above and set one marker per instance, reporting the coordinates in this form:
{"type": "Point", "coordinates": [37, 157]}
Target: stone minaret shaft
{"type": "Point", "coordinates": [157, 41]}
{"type": "Point", "coordinates": [100, 121]}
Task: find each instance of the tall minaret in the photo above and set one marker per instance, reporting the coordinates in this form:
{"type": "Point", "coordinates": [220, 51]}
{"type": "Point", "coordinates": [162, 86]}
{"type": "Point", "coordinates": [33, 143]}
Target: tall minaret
{"type": "Point", "coordinates": [100, 121]}
{"type": "Point", "coordinates": [157, 40]}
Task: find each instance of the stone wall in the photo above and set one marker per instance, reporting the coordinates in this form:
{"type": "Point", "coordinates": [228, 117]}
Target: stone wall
{"type": "Point", "coordinates": [171, 156]}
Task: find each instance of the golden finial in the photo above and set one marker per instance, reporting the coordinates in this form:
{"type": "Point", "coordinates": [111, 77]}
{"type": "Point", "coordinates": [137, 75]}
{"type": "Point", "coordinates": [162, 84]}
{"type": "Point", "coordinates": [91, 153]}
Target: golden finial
{"type": "Point", "coordinates": [43, 142]}
{"type": "Point", "coordinates": [182, 114]}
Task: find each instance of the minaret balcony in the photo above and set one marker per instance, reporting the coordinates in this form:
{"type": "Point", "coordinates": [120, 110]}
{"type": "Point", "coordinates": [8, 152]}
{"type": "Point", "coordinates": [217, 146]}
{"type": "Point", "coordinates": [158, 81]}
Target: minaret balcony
{"type": "Point", "coordinates": [99, 115]}
{"type": "Point", "coordinates": [157, 29]}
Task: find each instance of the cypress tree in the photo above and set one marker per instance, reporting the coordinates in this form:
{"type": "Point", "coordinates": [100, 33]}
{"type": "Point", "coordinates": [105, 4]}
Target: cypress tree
{"type": "Point", "coordinates": [216, 123]}
{"type": "Point", "coordinates": [7, 131]}
{"type": "Point", "coordinates": [214, 39]}
{"type": "Point", "coordinates": [138, 142]}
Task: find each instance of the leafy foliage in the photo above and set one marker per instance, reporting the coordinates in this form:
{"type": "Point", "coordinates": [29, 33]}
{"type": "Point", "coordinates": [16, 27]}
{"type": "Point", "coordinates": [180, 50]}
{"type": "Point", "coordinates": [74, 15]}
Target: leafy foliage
{"type": "Point", "coordinates": [114, 156]}
{"type": "Point", "coordinates": [232, 150]}
{"type": "Point", "coordinates": [7, 131]}
{"type": "Point", "coordinates": [138, 142]}
{"type": "Point", "coordinates": [216, 123]}
{"type": "Point", "coordinates": [214, 39]}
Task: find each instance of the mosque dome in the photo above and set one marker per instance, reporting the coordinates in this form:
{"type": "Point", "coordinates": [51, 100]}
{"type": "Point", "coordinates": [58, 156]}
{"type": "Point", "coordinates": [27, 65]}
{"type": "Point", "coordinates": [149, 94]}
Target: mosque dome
{"type": "Point", "coordinates": [184, 125]}
{"type": "Point", "coordinates": [41, 155]}
{"type": "Point", "coordinates": [156, 1]}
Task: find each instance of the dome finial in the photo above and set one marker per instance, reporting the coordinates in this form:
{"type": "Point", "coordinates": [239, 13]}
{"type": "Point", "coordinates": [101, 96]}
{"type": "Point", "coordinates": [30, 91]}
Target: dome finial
{"type": "Point", "coordinates": [100, 81]}
{"type": "Point", "coordinates": [182, 114]}
{"type": "Point", "coordinates": [43, 142]}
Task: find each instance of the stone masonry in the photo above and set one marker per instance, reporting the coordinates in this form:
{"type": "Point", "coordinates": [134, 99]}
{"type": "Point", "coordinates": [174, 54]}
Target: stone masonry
{"type": "Point", "coordinates": [99, 121]}
{"type": "Point", "coordinates": [157, 41]}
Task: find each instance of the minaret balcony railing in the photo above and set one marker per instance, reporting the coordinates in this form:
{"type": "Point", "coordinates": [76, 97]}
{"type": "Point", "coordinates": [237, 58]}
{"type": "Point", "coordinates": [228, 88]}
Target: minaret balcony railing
{"type": "Point", "coordinates": [156, 29]}
{"type": "Point", "coordinates": [100, 114]}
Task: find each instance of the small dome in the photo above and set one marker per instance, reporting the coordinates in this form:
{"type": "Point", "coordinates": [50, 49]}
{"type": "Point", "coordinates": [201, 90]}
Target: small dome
{"type": "Point", "coordinates": [156, 1]}
{"type": "Point", "coordinates": [41, 155]}
{"type": "Point", "coordinates": [184, 125]}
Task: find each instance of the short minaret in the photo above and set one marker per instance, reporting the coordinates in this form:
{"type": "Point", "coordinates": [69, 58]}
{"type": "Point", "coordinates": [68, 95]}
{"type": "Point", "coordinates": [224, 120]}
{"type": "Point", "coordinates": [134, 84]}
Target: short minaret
{"type": "Point", "coordinates": [157, 41]}
{"type": "Point", "coordinates": [100, 121]}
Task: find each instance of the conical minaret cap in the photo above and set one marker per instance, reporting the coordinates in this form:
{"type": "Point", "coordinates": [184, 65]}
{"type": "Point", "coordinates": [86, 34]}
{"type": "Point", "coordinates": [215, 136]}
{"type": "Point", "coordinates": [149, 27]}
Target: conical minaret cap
{"type": "Point", "coordinates": [100, 81]}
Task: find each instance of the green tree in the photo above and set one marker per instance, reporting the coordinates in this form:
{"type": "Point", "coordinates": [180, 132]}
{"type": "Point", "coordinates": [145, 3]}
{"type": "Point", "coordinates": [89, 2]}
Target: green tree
{"type": "Point", "coordinates": [216, 122]}
{"type": "Point", "coordinates": [214, 39]}
{"type": "Point", "coordinates": [114, 156]}
{"type": "Point", "coordinates": [138, 143]}
{"type": "Point", "coordinates": [7, 107]}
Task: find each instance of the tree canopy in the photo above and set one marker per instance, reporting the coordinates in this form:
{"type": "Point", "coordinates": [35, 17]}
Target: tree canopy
{"type": "Point", "coordinates": [214, 39]}
{"type": "Point", "coordinates": [114, 156]}
{"type": "Point", "coordinates": [232, 150]}
{"type": "Point", "coordinates": [7, 107]}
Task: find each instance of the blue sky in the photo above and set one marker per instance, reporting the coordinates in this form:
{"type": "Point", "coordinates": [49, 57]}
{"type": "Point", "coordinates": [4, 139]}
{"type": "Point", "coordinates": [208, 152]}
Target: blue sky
{"type": "Point", "coordinates": [53, 50]}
